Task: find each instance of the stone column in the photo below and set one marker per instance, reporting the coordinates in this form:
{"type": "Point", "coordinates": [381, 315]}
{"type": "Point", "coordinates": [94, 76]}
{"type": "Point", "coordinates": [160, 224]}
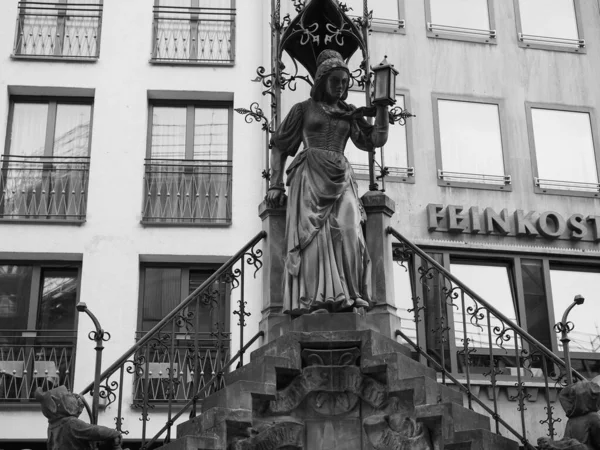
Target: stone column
{"type": "Point", "coordinates": [273, 322]}
{"type": "Point", "coordinates": [380, 208]}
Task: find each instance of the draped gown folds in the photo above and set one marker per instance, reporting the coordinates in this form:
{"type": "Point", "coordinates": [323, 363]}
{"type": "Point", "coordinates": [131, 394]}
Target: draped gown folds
{"type": "Point", "coordinates": [327, 264]}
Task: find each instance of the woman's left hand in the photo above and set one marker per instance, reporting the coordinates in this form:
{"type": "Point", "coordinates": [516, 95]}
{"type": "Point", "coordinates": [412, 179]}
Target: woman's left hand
{"type": "Point", "coordinates": [365, 111]}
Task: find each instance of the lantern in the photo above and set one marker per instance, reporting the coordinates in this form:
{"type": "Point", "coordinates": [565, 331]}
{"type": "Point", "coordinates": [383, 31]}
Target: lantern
{"type": "Point", "coordinates": [385, 83]}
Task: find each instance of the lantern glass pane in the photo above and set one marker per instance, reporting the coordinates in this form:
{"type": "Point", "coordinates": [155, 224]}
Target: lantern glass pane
{"type": "Point", "coordinates": [381, 85]}
{"type": "Point", "coordinates": [392, 92]}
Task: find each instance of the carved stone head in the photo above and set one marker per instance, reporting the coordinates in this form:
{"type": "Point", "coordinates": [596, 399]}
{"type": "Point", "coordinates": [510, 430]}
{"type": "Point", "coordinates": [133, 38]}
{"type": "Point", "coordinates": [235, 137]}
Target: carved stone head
{"type": "Point", "coordinates": [59, 402]}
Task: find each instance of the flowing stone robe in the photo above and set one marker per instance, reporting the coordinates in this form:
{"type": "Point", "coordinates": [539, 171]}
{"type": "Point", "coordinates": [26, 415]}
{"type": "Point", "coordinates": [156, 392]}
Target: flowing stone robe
{"type": "Point", "coordinates": [327, 263]}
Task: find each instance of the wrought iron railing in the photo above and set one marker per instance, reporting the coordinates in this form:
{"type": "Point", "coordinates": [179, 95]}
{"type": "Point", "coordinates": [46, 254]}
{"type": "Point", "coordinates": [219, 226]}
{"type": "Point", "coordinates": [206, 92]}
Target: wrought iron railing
{"type": "Point", "coordinates": [462, 177]}
{"type": "Point", "coordinates": [177, 360]}
{"type": "Point", "coordinates": [460, 31]}
{"type": "Point", "coordinates": [58, 30]}
{"type": "Point", "coordinates": [194, 34]}
{"type": "Point", "coordinates": [31, 359]}
{"type": "Point", "coordinates": [467, 340]}
{"type": "Point", "coordinates": [187, 191]}
{"type": "Point", "coordinates": [543, 183]}
{"type": "Point", "coordinates": [43, 188]}
{"type": "Point", "coordinates": [529, 39]}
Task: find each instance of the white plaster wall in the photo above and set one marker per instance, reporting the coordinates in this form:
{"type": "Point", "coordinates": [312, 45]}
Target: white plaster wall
{"type": "Point", "coordinates": [112, 237]}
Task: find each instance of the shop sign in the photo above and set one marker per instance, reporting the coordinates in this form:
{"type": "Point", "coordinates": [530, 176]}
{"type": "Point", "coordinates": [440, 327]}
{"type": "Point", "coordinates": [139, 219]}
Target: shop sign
{"type": "Point", "coordinates": [519, 223]}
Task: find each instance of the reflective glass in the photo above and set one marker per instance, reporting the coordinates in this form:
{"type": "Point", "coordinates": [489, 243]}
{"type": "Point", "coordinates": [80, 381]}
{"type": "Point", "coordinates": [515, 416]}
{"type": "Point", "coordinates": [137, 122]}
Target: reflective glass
{"type": "Point", "coordinates": [460, 13]}
{"type": "Point", "coordinates": [564, 147]}
{"type": "Point", "coordinates": [492, 283]}
{"type": "Point", "coordinates": [168, 132]}
{"type": "Point", "coordinates": [211, 134]}
{"type": "Point", "coordinates": [28, 133]}
{"type": "Point", "coordinates": [470, 139]}
{"type": "Point", "coordinates": [565, 284]}
{"type": "Point", "coordinates": [403, 295]}
{"type": "Point", "coordinates": [15, 288]}
{"type": "Point", "coordinates": [550, 18]}
{"type": "Point", "coordinates": [395, 150]}
{"type": "Point", "coordinates": [58, 299]}
{"type": "Point", "coordinates": [72, 131]}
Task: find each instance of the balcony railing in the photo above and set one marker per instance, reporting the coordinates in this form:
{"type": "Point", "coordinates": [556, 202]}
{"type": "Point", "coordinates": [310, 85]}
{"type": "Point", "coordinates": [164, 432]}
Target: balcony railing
{"type": "Point", "coordinates": [58, 30]}
{"type": "Point", "coordinates": [186, 191]}
{"type": "Point", "coordinates": [30, 359]}
{"type": "Point", "coordinates": [192, 34]}
{"type": "Point", "coordinates": [171, 370]}
{"type": "Point", "coordinates": [44, 188]}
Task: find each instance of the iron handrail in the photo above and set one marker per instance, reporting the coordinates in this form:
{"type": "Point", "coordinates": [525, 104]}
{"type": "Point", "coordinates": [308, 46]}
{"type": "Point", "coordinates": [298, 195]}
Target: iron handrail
{"type": "Point", "coordinates": [184, 304]}
{"type": "Point", "coordinates": [520, 331]}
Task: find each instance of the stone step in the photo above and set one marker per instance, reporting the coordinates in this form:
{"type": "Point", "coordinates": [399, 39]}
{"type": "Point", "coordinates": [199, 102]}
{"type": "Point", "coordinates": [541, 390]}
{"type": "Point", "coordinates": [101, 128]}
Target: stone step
{"type": "Point", "coordinates": [480, 440]}
{"type": "Point", "coordinates": [423, 390]}
{"type": "Point", "coordinates": [193, 443]}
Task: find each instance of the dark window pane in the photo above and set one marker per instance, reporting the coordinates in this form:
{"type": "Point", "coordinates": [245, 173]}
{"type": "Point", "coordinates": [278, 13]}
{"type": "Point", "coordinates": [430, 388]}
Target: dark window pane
{"type": "Point", "coordinates": [534, 292]}
{"type": "Point", "coordinates": [162, 293]}
{"type": "Point", "coordinates": [212, 304]}
{"type": "Point", "coordinates": [58, 299]}
{"type": "Point", "coordinates": [15, 288]}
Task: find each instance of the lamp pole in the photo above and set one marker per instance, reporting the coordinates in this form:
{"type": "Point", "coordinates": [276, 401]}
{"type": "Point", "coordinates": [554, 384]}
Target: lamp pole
{"type": "Point", "coordinates": [564, 327]}
{"type": "Point", "coordinates": [99, 336]}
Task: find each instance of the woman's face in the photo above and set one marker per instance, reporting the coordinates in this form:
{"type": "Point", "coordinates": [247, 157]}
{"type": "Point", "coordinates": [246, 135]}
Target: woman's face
{"type": "Point", "coordinates": [336, 84]}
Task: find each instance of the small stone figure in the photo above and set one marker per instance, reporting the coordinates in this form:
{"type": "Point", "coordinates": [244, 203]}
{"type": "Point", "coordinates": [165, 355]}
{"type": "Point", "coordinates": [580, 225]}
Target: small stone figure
{"type": "Point", "coordinates": [65, 430]}
{"type": "Point", "coordinates": [396, 432]}
{"type": "Point", "coordinates": [581, 402]}
{"type": "Point", "coordinates": [327, 265]}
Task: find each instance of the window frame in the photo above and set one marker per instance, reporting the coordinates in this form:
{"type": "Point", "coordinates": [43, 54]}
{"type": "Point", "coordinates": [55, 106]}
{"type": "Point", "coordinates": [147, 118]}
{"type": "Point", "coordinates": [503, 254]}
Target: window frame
{"type": "Point", "coordinates": [504, 142]}
{"type": "Point", "coordinates": [464, 37]}
{"type": "Point", "coordinates": [381, 25]}
{"type": "Point", "coordinates": [410, 176]}
{"type": "Point", "coordinates": [190, 100]}
{"type": "Point", "coordinates": [61, 14]}
{"type": "Point", "coordinates": [52, 97]}
{"type": "Point", "coordinates": [40, 262]}
{"type": "Point", "coordinates": [188, 62]}
{"type": "Point", "coordinates": [582, 49]}
{"type": "Point", "coordinates": [533, 152]}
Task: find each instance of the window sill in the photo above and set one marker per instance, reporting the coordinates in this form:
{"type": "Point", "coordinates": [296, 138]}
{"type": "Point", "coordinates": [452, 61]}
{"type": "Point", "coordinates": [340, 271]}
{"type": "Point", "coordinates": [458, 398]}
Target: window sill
{"type": "Point", "coordinates": [550, 44]}
{"type": "Point", "coordinates": [461, 34]}
{"type": "Point", "coordinates": [43, 221]}
{"type": "Point", "coordinates": [475, 185]}
{"type": "Point", "coordinates": [396, 174]}
{"type": "Point", "coordinates": [388, 179]}
{"type": "Point", "coordinates": [73, 59]}
{"type": "Point", "coordinates": [187, 62]}
{"type": "Point", "coordinates": [152, 224]}
{"type": "Point", "coordinates": [566, 192]}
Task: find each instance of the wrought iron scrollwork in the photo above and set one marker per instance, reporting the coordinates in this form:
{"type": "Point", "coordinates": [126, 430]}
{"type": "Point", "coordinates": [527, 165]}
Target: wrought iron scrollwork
{"type": "Point", "coordinates": [399, 115]}
{"type": "Point", "coordinates": [521, 396]}
{"type": "Point", "coordinates": [503, 334]}
{"type": "Point", "coordinates": [299, 5]}
{"type": "Point", "coordinates": [254, 114]}
{"type": "Point", "coordinates": [99, 335]}
{"type": "Point", "coordinates": [253, 258]}
{"type": "Point", "coordinates": [550, 420]}
{"type": "Point", "coordinates": [242, 313]}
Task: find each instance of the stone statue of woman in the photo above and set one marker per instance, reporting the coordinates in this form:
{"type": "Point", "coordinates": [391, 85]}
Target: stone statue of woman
{"type": "Point", "coordinates": [327, 266]}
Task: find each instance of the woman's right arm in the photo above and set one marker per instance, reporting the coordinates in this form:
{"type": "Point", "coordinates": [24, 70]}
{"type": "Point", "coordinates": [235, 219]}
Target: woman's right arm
{"type": "Point", "coordinates": [276, 193]}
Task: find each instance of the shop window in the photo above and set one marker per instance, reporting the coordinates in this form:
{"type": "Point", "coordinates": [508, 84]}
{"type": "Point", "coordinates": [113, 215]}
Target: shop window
{"type": "Point", "coordinates": [194, 31]}
{"type": "Point", "coordinates": [563, 144]}
{"type": "Point", "coordinates": [59, 29]}
{"type": "Point", "coordinates": [37, 328]}
{"type": "Point", "coordinates": [394, 155]}
{"type": "Point", "coordinates": [469, 20]}
{"type": "Point", "coordinates": [494, 284]}
{"type": "Point", "coordinates": [188, 169]}
{"type": "Point", "coordinates": [44, 171]}
{"type": "Point", "coordinates": [388, 15]}
{"type": "Point", "coordinates": [549, 24]}
{"type": "Point", "coordinates": [566, 283]}
{"type": "Point", "coordinates": [469, 144]}
{"type": "Point", "coordinates": [163, 288]}
{"type": "Point", "coordinates": [403, 293]}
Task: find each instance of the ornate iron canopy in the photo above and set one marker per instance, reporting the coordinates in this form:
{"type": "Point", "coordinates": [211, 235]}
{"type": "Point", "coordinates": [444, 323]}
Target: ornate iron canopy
{"type": "Point", "coordinates": [321, 25]}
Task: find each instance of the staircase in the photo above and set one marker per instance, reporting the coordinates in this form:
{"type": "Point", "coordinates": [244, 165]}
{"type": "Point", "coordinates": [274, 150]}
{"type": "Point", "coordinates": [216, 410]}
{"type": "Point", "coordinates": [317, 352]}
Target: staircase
{"type": "Point", "coordinates": [346, 387]}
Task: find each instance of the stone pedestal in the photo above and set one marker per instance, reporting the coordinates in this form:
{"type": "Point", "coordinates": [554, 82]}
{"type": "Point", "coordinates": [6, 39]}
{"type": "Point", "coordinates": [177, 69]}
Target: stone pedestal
{"type": "Point", "coordinates": [380, 208]}
{"type": "Point", "coordinates": [273, 322]}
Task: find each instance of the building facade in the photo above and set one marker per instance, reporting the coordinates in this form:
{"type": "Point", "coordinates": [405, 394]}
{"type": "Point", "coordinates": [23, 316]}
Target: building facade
{"type": "Point", "coordinates": [128, 178]}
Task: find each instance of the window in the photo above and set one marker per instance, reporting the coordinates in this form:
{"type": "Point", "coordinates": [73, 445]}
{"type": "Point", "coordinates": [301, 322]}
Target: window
{"type": "Point", "coordinates": [394, 155]}
{"type": "Point", "coordinates": [59, 29]}
{"type": "Point", "coordinates": [465, 20]}
{"type": "Point", "coordinates": [44, 171]}
{"type": "Point", "coordinates": [194, 31]}
{"type": "Point", "coordinates": [566, 283]}
{"type": "Point", "coordinates": [37, 328]}
{"type": "Point", "coordinates": [387, 14]}
{"type": "Point", "coordinates": [163, 287]}
{"type": "Point", "coordinates": [550, 25]}
{"type": "Point", "coordinates": [552, 131]}
{"type": "Point", "coordinates": [469, 144]}
{"type": "Point", "coordinates": [188, 169]}
{"type": "Point", "coordinates": [403, 291]}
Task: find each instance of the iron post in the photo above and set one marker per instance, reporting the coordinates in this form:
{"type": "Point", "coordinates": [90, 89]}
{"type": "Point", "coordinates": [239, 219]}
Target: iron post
{"type": "Point", "coordinates": [564, 327]}
{"type": "Point", "coordinates": [99, 336]}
